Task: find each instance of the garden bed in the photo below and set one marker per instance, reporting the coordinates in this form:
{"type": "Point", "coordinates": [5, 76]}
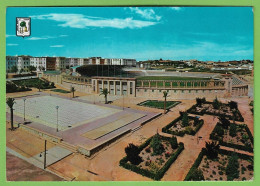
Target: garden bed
{"type": "Point", "coordinates": [61, 91]}
{"type": "Point", "coordinates": [240, 137]}
{"type": "Point", "coordinates": [224, 109]}
{"type": "Point", "coordinates": [159, 104]}
{"type": "Point", "coordinates": [176, 128]}
{"type": "Point", "coordinates": [216, 169]}
{"type": "Point", "coordinates": [152, 165]}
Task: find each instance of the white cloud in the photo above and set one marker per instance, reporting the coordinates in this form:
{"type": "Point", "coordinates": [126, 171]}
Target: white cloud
{"type": "Point", "coordinates": [176, 8]}
{"type": "Point", "coordinates": [7, 35]}
{"type": "Point", "coordinates": [41, 38]}
{"type": "Point", "coordinates": [57, 46]}
{"type": "Point", "coordinates": [82, 21]}
{"type": "Point", "coordinates": [146, 13]}
{"type": "Point", "coordinates": [63, 35]}
{"type": "Point", "coordinates": [12, 44]}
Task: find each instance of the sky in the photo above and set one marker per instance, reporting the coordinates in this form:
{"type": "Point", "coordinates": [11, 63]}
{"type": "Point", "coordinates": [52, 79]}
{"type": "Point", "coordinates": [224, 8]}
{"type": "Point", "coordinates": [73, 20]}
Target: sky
{"type": "Point", "coordinates": [142, 33]}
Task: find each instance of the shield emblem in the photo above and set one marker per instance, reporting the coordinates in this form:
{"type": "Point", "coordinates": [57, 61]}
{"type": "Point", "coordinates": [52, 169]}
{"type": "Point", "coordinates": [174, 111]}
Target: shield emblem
{"type": "Point", "coordinates": [23, 26]}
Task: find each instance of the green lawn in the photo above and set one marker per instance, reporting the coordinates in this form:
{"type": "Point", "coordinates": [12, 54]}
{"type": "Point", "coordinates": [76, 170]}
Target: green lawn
{"type": "Point", "coordinates": [60, 90]}
{"type": "Point", "coordinates": [159, 104]}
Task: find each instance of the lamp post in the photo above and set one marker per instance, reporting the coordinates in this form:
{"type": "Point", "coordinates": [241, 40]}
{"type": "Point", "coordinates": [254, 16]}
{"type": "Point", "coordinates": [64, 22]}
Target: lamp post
{"type": "Point", "coordinates": [57, 107]}
{"type": "Point", "coordinates": [24, 109]}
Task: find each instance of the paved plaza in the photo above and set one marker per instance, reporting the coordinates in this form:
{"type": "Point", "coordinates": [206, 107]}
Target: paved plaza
{"type": "Point", "coordinates": [70, 113]}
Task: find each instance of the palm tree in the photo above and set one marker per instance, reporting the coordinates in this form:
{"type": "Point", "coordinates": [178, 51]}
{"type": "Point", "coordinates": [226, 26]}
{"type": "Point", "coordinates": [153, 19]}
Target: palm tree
{"type": "Point", "coordinates": [10, 102]}
{"type": "Point", "coordinates": [105, 92]}
{"type": "Point", "coordinates": [165, 95]}
{"type": "Point", "coordinates": [72, 89]}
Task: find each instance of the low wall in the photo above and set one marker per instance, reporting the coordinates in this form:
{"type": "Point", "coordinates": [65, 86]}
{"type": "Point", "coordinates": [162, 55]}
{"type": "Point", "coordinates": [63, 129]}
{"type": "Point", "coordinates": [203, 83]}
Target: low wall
{"type": "Point", "coordinates": [44, 135]}
{"type": "Point", "coordinates": [86, 88]}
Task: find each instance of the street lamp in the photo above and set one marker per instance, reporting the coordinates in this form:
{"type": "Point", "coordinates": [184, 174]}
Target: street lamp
{"type": "Point", "coordinates": [57, 107]}
{"type": "Point", "coordinates": [24, 109]}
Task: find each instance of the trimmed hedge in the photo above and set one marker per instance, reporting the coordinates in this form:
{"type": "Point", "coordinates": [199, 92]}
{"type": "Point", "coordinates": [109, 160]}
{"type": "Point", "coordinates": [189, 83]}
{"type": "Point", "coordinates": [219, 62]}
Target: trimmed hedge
{"type": "Point", "coordinates": [147, 173]}
{"type": "Point", "coordinates": [221, 151]}
{"type": "Point", "coordinates": [236, 146]}
{"type": "Point", "coordinates": [238, 118]}
{"type": "Point", "coordinates": [182, 133]}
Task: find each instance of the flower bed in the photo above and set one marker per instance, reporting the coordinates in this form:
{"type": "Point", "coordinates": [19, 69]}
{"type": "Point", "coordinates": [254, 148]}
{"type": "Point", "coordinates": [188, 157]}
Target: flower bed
{"type": "Point", "coordinates": [154, 166]}
{"type": "Point", "coordinates": [207, 108]}
{"type": "Point", "coordinates": [216, 170]}
{"type": "Point", "coordinates": [175, 127]}
{"type": "Point", "coordinates": [242, 138]}
{"type": "Point", "coordinates": [159, 104]}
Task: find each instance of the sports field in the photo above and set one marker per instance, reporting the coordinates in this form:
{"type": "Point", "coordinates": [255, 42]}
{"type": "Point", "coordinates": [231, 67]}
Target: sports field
{"type": "Point", "coordinates": [70, 113]}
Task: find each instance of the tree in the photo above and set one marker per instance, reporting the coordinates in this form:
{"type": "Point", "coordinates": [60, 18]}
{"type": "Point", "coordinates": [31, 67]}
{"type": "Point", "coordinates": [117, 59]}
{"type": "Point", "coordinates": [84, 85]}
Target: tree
{"type": "Point", "coordinates": [224, 122]}
{"type": "Point", "coordinates": [233, 105]}
{"type": "Point", "coordinates": [39, 85]}
{"type": "Point", "coordinates": [132, 154]}
{"type": "Point", "coordinates": [156, 145]}
{"type": "Point", "coordinates": [197, 175]}
{"type": "Point", "coordinates": [31, 68]}
{"type": "Point", "coordinates": [165, 94]}
{"type": "Point", "coordinates": [233, 130]}
{"type": "Point", "coordinates": [10, 102]}
{"type": "Point", "coordinates": [219, 131]}
{"type": "Point", "coordinates": [174, 142]}
{"type": "Point", "coordinates": [200, 101]}
{"type": "Point", "coordinates": [216, 103]}
{"type": "Point", "coordinates": [185, 119]}
{"type": "Point", "coordinates": [14, 69]}
{"type": "Point", "coordinates": [232, 169]}
{"type": "Point", "coordinates": [212, 149]}
{"type": "Point", "coordinates": [72, 89]}
{"type": "Point", "coordinates": [105, 92]}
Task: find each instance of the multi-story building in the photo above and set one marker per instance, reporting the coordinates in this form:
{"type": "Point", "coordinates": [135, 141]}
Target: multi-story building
{"type": "Point", "coordinates": [39, 63]}
{"type": "Point", "coordinates": [83, 61]}
{"type": "Point", "coordinates": [10, 62]}
{"type": "Point", "coordinates": [23, 63]}
{"type": "Point", "coordinates": [61, 63]}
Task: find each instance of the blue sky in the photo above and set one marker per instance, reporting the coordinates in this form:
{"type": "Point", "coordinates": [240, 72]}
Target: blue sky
{"type": "Point", "coordinates": [203, 33]}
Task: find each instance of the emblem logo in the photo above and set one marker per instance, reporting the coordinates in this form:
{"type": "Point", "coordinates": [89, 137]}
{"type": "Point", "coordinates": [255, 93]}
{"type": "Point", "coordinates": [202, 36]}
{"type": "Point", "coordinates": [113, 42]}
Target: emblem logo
{"type": "Point", "coordinates": [23, 26]}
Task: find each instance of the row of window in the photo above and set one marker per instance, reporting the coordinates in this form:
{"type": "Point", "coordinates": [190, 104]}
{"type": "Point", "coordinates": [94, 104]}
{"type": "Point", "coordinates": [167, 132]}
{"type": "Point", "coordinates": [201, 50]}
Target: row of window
{"type": "Point", "coordinates": [182, 91]}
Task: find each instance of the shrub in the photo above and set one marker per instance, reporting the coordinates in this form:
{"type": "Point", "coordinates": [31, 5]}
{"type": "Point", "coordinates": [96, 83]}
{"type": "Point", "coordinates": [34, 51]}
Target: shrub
{"type": "Point", "coordinates": [197, 175]}
{"type": "Point", "coordinates": [212, 149]}
{"type": "Point", "coordinates": [224, 122]}
{"type": "Point", "coordinates": [219, 130]}
{"type": "Point", "coordinates": [185, 119]}
{"type": "Point", "coordinates": [174, 142]}
{"type": "Point", "coordinates": [148, 150]}
{"type": "Point", "coordinates": [216, 104]}
{"type": "Point", "coordinates": [156, 144]}
{"type": "Point", "coordinates": [233, 130]}
{"type": "Point", "coordinates": [232, 169]}
{"type": "Point", "coordinates": [132, 154]}
{"type": "Point", "coordinates": [232, 105]}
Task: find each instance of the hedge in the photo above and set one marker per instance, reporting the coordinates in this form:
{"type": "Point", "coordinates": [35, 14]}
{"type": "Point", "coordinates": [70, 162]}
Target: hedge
{"type": "Point", "coordinates": [221, 151]}
{"type": "Point", "coordinates": [147, 173]}
{"type": "Point", "coordinates": [182, 133]}
{"type": "Point", "coordinates": [236, 146]}
{"type": "Point", "coordinates": [239, 118]}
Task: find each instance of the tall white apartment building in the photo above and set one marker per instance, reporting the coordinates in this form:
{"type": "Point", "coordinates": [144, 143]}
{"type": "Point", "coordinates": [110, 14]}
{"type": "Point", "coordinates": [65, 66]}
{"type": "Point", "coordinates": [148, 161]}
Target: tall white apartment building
{"type": "Point", "coordinates": [39, 63]}
{"type": "Point", "coordinates": [72, 61]}
{"type": "Point", "coordinates": [23, 63]}
{"type": "Point", "coordinates": [83, 61]}
{"type": "Point", "coordinates": [10, 62]}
